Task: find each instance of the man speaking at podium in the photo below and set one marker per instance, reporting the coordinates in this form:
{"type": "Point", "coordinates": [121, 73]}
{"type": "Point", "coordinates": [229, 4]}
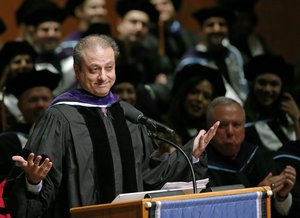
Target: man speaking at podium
{"type": "Point", "coordinates": [84, 151]}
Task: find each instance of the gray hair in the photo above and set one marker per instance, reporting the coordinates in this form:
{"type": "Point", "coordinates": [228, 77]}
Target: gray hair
{"type": "Point", "coordinates": [219, 101]}
{"type": "Point", "coordinates": [92, 41]}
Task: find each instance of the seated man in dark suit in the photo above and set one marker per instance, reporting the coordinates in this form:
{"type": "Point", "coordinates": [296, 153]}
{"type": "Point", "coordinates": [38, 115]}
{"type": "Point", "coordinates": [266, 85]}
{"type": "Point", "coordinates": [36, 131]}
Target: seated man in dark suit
{"type": "Point", "coordinates": [232, 160]}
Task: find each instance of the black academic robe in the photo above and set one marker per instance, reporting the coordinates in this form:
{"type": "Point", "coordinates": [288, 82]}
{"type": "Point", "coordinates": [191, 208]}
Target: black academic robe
{"type": "Point", "coordinates": [64, 135]}
{"type": "Point", "coordinates": [253, 135]}
{"type": "Point", "coordinates": [250, 167]}
{"type": "Point", "coordinates": [289, 154]}
{"type": "Point", "coordinates": [10, 145]}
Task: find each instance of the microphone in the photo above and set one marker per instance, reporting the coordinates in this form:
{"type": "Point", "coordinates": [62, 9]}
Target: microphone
{"type": "Point", "coordinates": [136, 116]}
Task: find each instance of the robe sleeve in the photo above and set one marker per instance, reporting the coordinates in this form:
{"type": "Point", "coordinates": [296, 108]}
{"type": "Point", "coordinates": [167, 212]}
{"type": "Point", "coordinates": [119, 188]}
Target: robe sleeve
{"type": "Point", "coordinates": [172, 167]}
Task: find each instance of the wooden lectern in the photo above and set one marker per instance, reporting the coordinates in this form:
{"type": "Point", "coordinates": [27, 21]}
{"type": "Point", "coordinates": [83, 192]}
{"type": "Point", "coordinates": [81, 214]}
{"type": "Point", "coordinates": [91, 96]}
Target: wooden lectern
{"type": "Point", "coordinates": [139, 208]}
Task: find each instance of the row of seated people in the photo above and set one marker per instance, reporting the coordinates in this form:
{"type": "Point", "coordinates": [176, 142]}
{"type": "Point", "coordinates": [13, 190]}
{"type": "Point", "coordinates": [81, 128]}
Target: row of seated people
{"type": "Point", "coordinates": [232, 159]}
{"type": "Point", "coordinates": [194, 89]}
{"type": "Point", "coordinates": [137, 34]}
{"type": "Point", "coordinates": [266, 131]}
{"type": "Point", "coordinates": [138, 43]}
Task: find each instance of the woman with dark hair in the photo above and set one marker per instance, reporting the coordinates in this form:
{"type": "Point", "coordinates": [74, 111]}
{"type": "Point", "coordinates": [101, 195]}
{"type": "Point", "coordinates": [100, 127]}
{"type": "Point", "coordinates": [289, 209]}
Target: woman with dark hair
{"type": "Point", "coordinates": [195, 86]}
{"type": "Point", "coordinates": [272, 113]}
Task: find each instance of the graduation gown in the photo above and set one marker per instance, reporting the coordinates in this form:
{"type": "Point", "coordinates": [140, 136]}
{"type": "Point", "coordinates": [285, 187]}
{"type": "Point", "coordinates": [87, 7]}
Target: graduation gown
{"type": "Point", "coordinates": [10, 145]}
{"type": "Point", "coordinates": [251, 166]}
{"type": "Point", "coordinates": [85, 173]}
{"type": "Point", "coordinates": [289, 154]}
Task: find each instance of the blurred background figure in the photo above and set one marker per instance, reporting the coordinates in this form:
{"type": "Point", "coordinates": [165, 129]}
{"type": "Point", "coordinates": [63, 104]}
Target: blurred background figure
{"type": "Point", "coordinates": [215, 50]}
{"type": "Point", "coordinates": [141, 47]}
{"type": "Point", "coordinates": [129, 88]}
{"type": "Point", "coordinates": [87, 12]}
{"type": "Point", "coordinates": [243, 33]}
{"type": "Point", "coordinates": [45, 20]}
{"type": "Point", "coordinates": [16, 57]}
{"type": "Point", "coordinates": [24, 27]}
{"type": "Point", "coordinates": [271, 111]}
{"type": "Point", "coordinates": [34, 93]}
{"type": "Point", "coordinates": [126, 85]}
{"type": "Point", "coordinates": [195, 86]}
{"type": "Point", "coordinates": [174, 39]}
{"type": "Point", "coordinates": [136, 18]}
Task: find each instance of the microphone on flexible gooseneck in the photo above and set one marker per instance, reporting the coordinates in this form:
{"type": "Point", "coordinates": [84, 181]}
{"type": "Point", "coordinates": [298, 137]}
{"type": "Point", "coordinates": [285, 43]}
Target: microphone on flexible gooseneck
{"type": "Point", "coordinates": [136, 116]}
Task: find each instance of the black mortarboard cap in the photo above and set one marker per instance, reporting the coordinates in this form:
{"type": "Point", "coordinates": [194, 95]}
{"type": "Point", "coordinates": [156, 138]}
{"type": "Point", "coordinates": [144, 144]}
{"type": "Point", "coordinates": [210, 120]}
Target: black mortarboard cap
{"type": "Point", "coordinates": [28, 80]}
{"type": "Point", "coordinates": [25, 7]}
{"type": "Point", "coordinates": [13, 48]}
{"type": "Point", "coordinates": [42, 12]}
{"type": "Point", "coordinates": [128, 73]}
{"type": "Point", "coordinates": [177, 4]}
{"type": "Point", "coordinates": [269, 64]}
{"type": "Point", "coordinates": [71, 5]}
{"type": "Point", "coordinates": [124, 6]}
{"type": "Point", "coordinates": [203, 14]}
{"type": "Point", "coordinates": [98, 28]}
{"type": "Point", "coordinates": [193, 71]}
{"type": "Point", "coordinates": [244, 5]}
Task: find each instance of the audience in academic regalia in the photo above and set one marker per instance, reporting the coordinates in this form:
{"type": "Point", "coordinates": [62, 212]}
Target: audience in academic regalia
{"type": "Point", "coordinates": [174, 38]}
{"type": "Point", "coordinates": [243, 32]}
{"type": "Point", "coordinates": [171, 74]}
{"type": "Point", "coordinates": [136, 17]}
{"type": "Point", "coordinates": [194, 87]}
{"type": "Point", "coordinates": [16, 57]}
{"type": "Point", "coordinates": [45, 20]}
{"type": "Point", "coordinates": [34, 97]}
{"type": "Point", "coordinates": [142, 47]}
{"type": "Point", "coordinates": [87, 12]}
{"type": "Point", "coordinates": [24, 27]}
{"type": "Point", "coordinates": [129, 88]}
{"type": "Point", "coordinates": [216, 51]}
